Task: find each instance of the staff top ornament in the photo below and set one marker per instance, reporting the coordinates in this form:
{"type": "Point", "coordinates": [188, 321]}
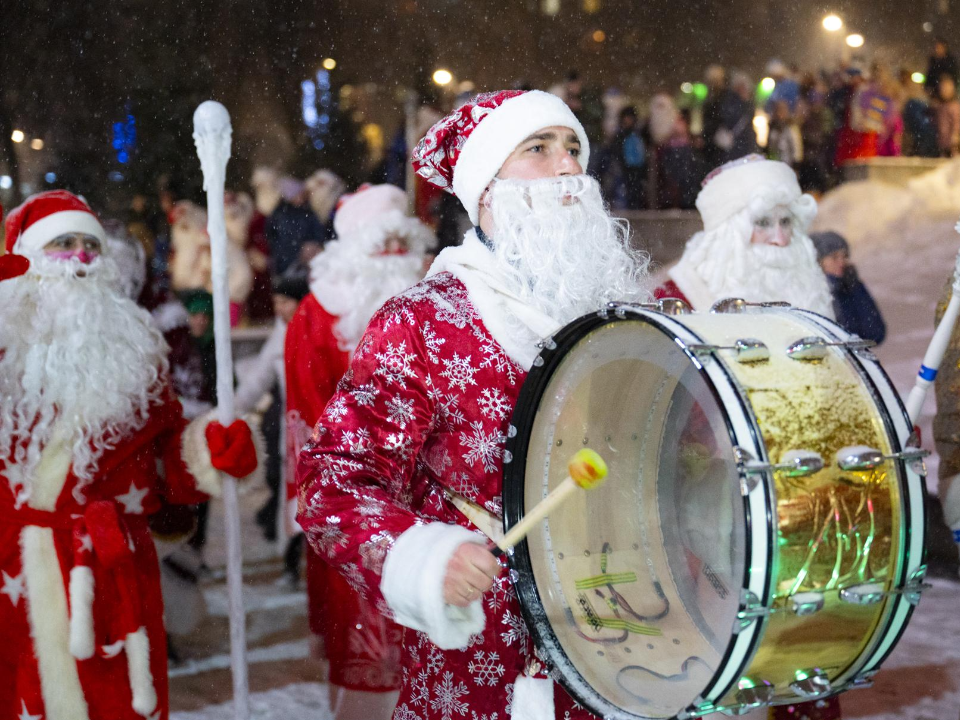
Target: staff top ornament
{"type": "Point", "coordinates": [212, 134]}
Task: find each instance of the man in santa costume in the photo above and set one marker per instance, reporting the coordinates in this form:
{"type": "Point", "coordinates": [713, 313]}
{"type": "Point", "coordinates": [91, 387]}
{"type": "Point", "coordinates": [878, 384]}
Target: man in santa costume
{"type": "Point", "coordinates": [755, 246]}
{"type": "Point", "coordinates": [754, 243]}
{"type": "Point", "coordinates": [400, 483]}
{"type": "Point", "coordinates": [87, 413]}
{"type": "Point", "coordinates": [378, 253]}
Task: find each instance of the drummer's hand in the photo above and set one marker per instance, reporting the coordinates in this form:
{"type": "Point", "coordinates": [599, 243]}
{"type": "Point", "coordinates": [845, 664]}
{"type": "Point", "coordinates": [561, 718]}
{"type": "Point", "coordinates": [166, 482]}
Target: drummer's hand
{"type": "Point", "coordinates": [470, 574]}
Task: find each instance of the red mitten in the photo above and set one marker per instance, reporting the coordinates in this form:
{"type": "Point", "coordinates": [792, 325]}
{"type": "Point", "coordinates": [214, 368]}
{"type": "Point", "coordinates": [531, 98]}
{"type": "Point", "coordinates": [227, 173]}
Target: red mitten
{"type": "Point", "coordinates": [231, 448]}
{"type": "Point", "coordinates": [12, 266]}
{"type": "Point", "coordinates": [916, 429]}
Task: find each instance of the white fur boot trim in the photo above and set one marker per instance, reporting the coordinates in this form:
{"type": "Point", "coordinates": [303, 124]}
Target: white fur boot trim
{"type": "Point", "coordinates": [81, 612]}
{"type": "Point", "coordinates": [138, 667]}
{"type": "Point", "coordinates": [412, 584]}
{"type": "Point", "coordinates": [532, 698]}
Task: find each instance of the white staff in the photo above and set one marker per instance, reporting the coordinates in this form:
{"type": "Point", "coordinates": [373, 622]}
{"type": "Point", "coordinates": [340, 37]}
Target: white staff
{"type": "Point", "coordinates": [938, 346]}
{"type": "Point", "coordinates": [212, 134]}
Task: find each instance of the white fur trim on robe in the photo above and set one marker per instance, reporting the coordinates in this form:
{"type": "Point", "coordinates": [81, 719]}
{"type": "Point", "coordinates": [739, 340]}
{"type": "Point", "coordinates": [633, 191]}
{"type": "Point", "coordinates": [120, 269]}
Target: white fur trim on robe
{"type": "Point", "coordinates": [412, 584]}
{"type": "Point", "coordinates": [516, 325]}
{"type": "Point", "coordinates": [532, 699]}
{"type": "Point", "coordinates": [693, 288]}
{"type": "Point", "coordinates": [138, 667]}
{"type": "Point", "coordinates": [196, 454]}
{"type": "Point", "coordinates": [81, 612]}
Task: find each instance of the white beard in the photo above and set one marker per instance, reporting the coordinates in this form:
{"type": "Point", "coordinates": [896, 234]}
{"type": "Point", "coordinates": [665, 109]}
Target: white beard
{"type": "Point", "coordinates": [73, 348]}
{"type": "Point", "coordinates": [351, 279]}
{"type": "Point", "coordinates": [559, 248]}
{"type": "Point", "coordinates": [729, 265]}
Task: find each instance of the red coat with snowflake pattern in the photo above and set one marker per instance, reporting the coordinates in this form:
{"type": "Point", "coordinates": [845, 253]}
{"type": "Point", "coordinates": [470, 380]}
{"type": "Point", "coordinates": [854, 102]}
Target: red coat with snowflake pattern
{"type": "Point", "coordinates": [423, 411]}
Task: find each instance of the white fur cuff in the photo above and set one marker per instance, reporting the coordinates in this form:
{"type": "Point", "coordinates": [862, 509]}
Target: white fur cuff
{"type": "Point", "coordinates": [532, 699]}
{"type": "Point", "coordinates": [81, 612]}
{"type": "Point", "coordinates": [412, 584]}
{"type": "Point", "coordinates": [196, 454]}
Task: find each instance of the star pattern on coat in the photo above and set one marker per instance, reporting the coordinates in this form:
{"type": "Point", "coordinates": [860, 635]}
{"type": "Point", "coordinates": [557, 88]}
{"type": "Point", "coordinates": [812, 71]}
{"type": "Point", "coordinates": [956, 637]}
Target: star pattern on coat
{"type": "Point", "coordinates": [13, 588]}
{"type": "Point", "coordinates": [132, 499]}
{"type": "Point", "coordinates": [25, 714]}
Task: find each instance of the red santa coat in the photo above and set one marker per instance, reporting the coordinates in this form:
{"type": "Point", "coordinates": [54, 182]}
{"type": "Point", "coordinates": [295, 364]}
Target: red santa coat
{"type": "Point", "coordinates": [421, 415]}
{"type": "Point", "coordinates": [104, 541]}
{"type": "Point", "coordinates": [361, 645]}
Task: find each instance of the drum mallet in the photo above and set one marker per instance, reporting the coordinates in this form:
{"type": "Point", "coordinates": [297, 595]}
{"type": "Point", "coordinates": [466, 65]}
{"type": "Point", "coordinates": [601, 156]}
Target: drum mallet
{"type": "Point", "coordinates": [938, 346]}
{"type": "Point", "coordinates": [586, 469]}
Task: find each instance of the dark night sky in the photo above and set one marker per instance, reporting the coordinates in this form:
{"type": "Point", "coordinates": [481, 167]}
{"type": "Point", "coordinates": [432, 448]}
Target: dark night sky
{"type": "Point", "coordinates": [67, 70]}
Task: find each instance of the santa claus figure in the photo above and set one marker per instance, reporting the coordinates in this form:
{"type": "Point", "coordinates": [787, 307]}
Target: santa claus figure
{"type": "Point", "coordinates": [755, 246]}
{"type": "Point", "coordinates": [400, 483]}
{"type": "Point", "coordinates": [92, 440]}
{"type": "Point", "coordinates": [378, 254]}
{"type": "Point", "coordinates": [754, 243]}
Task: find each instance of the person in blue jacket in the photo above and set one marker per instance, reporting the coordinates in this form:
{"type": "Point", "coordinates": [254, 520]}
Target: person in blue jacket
{"type": "Point", "coordinates": [855, 308]}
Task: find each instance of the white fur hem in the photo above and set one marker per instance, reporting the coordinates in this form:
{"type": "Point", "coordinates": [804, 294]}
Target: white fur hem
{"type": "Point", "coordinates": [138, 667]}
{"type": "Point", "coordinates": [81, 612]}
{"type": "Point", "coordinates": [60, 687]}
{"type": "Point", "coordinates": [412, 584]}
{"type": "Point", "coordinates": [196, 454]}
{"type": "Point", "coordinates": [532, 698]}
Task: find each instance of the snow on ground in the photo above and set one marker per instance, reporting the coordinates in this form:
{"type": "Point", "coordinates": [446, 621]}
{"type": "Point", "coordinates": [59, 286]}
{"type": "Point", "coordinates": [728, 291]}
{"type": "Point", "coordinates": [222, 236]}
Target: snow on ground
{"type": "Point", "coordinates": [904, 245]}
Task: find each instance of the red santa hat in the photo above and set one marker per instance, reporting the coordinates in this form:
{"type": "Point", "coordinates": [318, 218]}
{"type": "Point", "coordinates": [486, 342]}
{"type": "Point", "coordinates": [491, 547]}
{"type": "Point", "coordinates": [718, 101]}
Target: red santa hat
{"type": "Point", "coordinates": [365, 205]}
{"type": "Point", "coordinates": [731, 187]}
{"type": "Point", "coordinates": [465, 150]}
{"type": "Point", "coordinates": [45, 216]}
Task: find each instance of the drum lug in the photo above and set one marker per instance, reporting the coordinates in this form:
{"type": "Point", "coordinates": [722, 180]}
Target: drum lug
{"type": "Point", "coordinates": [751, 695]}
{"type": "Point", "coordinates": [863, 594]}
{"type": "Point", "coordinates": [796, 463]}
{"type": "Point", "coordinates": [546, 344]}
{"type": "Point", "coordinates": [915, 586]}
{"type": "Point", "coordinates": [811, 684]}
{"type": "Point", "coordinates": [750, 610]}
{"type": "Point", "coordinates": [815, 348]}
{"type": "Point", "coordinates": [739, 305]}
{"type": "Point", "coordinates": [667, 306]}
{"type": "Point", "coordinates": [748, 350]}
{"type": "Point", "coordinates": [806, 603]}
{"type": "Point", "coordinates": [858, 458]}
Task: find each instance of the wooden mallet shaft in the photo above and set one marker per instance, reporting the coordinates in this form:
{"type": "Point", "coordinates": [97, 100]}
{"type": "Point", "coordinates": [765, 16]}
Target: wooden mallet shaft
{"type": "Point", "coordinates": [587, 470]}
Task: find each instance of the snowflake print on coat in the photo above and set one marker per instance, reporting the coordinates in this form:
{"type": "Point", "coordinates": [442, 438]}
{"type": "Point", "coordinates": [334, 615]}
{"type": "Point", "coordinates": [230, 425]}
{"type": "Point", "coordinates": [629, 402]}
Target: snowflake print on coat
{"type": "Point", "coordinates": [399, 435]}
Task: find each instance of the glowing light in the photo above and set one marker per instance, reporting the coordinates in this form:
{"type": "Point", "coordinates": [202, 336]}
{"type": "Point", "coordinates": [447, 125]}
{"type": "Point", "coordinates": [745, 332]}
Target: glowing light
{"type": "Point", "coordinates": [17, 136]}
{"type": "Point", "coordinates": [919, 78]}
{"type": "Point", "coordinates": [832, 23]}
{"type": "Point", "coordinates": [466, 86]}
{"type": "Point", "coordinates": [329, 64]}
{"type": "Point", "coordinates": [599, 36]}
{"type": "Point", "coordinates": [855, 40]}
{"type": "Point", "coordinates": [6, 182]}
{"type": "Point", "coordinates": [928, 27]}
{"type": "Point", "coordinates": [50, 177]}
{"type": "Point", "coordinates": [761, 126]}
{"type": "Point", "coordinates": [442, 77]}
{"type": "Point", "coordinates": [686, 88]}
{"type": "Point", "coordinates": [36, 144]}
{"type": "Point", "coordinates": [768, 84]}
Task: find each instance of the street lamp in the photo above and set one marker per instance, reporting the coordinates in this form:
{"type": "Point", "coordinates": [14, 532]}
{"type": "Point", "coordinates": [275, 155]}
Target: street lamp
{"type": "Point", "coordinates": [17, 136]}
{"type": "Point", "coordinates": [442, 77]}
{"type": "Point", "coordinates": [36, 144]}
{"type": "Point", "coordinates": [832, 23]}
{"type": "Point", "coordinates": [329, 64]}
{"type": "Point", "coordinates": [855, 40]}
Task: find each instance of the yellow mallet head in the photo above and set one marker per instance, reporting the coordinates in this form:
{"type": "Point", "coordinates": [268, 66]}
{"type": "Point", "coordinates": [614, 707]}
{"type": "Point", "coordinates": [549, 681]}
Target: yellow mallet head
{"type": "Point", "coordinates": [587, 469]}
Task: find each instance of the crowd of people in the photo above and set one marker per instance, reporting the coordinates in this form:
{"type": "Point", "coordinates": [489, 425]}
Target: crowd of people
{"type": "Point", "coordinates": [813, 121]}
{"type": "Point", "coordinates": [379, 382]}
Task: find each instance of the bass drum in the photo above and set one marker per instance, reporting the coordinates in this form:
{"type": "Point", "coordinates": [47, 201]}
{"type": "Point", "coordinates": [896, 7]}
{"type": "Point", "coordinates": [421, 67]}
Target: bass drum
{"type": "Point", "coordinates": [759, 538]}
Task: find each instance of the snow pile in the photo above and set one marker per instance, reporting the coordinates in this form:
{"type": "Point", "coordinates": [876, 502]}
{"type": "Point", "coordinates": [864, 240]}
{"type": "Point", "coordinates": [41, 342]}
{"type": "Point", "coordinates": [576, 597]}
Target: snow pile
{"type": "Point", "coordinates": [300, 700]}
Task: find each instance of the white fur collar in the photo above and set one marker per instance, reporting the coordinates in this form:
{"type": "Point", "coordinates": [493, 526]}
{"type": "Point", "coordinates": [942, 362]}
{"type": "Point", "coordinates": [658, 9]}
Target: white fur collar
{"type": "Point", "coordinates": [692, 287]}
{"type": "Point", "coordinates": [513, 323]}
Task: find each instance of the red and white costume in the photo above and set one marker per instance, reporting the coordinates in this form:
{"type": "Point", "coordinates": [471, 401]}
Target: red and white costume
{"type": "Point", "coordinates": [379, 252]}
{"type": "Point", "coordinates": [81, 620]}
{"type": "Point", "coordinates": [412, 443]}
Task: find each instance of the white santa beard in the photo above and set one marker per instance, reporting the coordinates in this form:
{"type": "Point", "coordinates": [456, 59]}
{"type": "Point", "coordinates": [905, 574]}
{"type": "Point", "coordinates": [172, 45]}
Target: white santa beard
{"type": "Point", "coordinates": [73, 348]}
{"type": "Point", "coordinates": [731, 266]}
{"type": "Point", "coordinates": [560, 249]}
{"type": "Point", "coordinates": [352, 286]}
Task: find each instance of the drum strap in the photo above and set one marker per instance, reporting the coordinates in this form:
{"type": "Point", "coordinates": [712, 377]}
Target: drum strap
{"type": "Point", "coordinates": [486, 521]}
